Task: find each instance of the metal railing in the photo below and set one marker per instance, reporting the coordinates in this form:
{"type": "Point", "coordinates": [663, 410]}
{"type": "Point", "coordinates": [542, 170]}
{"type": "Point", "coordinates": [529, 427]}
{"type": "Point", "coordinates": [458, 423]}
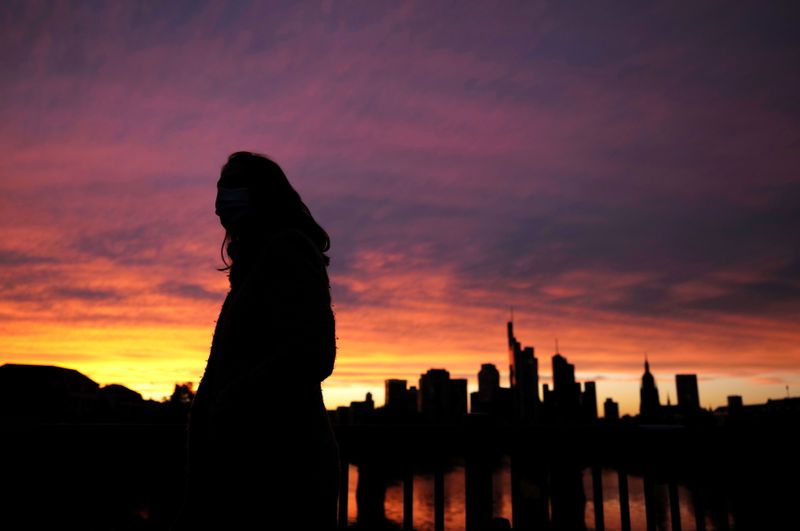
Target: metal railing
{"type": "Point", "coordinates": [547, 465]}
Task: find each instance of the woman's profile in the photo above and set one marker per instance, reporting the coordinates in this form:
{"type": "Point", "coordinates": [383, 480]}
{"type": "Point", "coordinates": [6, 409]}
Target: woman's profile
{"type": "Point", "coordinates": [262, 453]}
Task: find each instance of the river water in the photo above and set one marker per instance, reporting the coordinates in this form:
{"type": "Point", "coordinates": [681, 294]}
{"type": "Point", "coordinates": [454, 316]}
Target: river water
{"type": "Point", "coordinates": [454, 488]}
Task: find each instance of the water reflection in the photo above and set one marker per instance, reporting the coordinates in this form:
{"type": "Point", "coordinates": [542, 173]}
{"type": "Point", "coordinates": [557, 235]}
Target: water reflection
{"type": "Point", "coordinates": [454, 510]}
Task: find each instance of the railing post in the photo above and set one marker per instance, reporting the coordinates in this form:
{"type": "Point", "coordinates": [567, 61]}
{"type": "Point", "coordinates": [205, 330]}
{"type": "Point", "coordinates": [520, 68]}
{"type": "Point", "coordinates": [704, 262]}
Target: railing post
{"type": "Point", "coordinates": [723, 524]}
{"type": "Point", "coordinates": [478, 480]}
{"type": "Point", "coordinates": [624, 507]}
{"type": "Point", "coordinates": [408, 498]}
{"type": "Point", "coordinates": [529, 484]}
{"type": "Point", "coordinates": [438, 497]}
{"type": "Point", "coordinates": [699, 512]}
{"type": "Point", "coordinates": [597, 498]}
{"type": "Point", "coordinates": [674, 506]}
{"type": "Point", "coordinates": [649, 502]}
{"type": "Point", "coordinates": [344, 489]}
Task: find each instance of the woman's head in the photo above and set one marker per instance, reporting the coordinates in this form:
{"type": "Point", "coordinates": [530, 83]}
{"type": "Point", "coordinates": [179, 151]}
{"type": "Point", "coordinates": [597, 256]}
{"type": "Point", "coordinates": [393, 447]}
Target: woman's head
{"type": "Point", "coordinates": [254, 196]}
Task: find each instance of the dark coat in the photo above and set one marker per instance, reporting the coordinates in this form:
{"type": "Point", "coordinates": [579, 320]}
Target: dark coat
{"type": "Point", "coordinates": [262, 453]}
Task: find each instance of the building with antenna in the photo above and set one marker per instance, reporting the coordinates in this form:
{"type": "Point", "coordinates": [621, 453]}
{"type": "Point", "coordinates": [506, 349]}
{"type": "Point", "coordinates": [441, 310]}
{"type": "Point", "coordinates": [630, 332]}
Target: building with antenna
{"type": "Point", "coordinates": [566, 392]}
{"type": "Point", "coordinates": [649, 404]}
{"type": "Point", "coordinates": [523, 378]}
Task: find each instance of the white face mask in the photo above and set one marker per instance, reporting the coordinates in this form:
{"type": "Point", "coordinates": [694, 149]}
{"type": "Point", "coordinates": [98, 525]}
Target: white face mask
{"type": "Point", "coordinates": [232, 205]}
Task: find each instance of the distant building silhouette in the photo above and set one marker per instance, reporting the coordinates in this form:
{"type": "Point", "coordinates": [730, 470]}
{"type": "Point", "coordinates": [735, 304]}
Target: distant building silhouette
{"type": "Point", "coordinates": [358, 412]}
{"type": "Point", "coordinates": [440, 398]}
{"type": "Point", "coordinates": [118, 395]}
{"type": "Point", "coordinates": [413, 400]}
{"type": "Point", "coordinates": [523, 378]}
{"type": "Point", "coordinates": [566, 393]}
{"type": "Point", "coordinates": [649, 404]}
{"type": "Point", "coordinates": [610, 410]}
{"type": "Point", "coordinates": [488, 382]}
{"type": "Point", "coordinates": [118, 403]}
{"type": "Point", "coordinates": [775, 412]}
{"type": "Point", "coordinates": [490, 398]}
{"type": "Point", "coordinates": [688, 393]}
{"type": "Point", "coordinates": [547, 402]}
{"type": "Point", "coordinates": [401, 402]}
{"type": "Point", "coordinates": [589, 402]}
{"type": "Point", "coordinates": [458, 398]}
{"type": "Point", "coordinates": [434, 394]}
{"type": "Point", "coordinates": [776, 406]}
{"type": "Point", "coordinates": [396, 394]}
{"type": "Point", "coordinates": [735, 404]}
{"type": "Point", "coordinates": [46, 393]}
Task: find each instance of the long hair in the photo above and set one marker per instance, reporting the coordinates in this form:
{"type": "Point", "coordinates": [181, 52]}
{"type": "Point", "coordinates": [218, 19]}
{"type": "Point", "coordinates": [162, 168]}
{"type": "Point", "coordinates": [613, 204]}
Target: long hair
{"type": "Point", "coordinates": [277, 203]}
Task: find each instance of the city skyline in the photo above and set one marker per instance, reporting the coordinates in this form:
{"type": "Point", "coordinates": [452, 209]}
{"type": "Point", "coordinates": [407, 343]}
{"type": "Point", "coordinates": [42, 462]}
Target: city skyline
{"type": "Point", "coordinates": [684, 391]}
{"type": "Point", "coordinates": [553, 394]}
{"type": "Point", "coordinates": [624, 176]}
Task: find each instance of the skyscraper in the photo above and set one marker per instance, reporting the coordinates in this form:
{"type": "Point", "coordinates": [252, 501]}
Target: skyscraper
{"type": "Point", "coordinates": [490, 398]}
{"type": "Point", "coordinates": [413, 400]}
{"type": "Point", "coordinates": [434, 394]}
{"type": "Point", "coordinates": [524, 378]}
{"type": "Point", "coordinates": [396, 396]}
{"type": "Point", "coordinates": [395, 392]}
{"type": "Point", "coordinates": [649, 404]}
{"type": "Point", "coordinates": [566, 393]}
{"type": "Point", "coordinates": [589, 401]}
{"type": "Point", "coordinates": [440, 398]}
{"type": "Point", "coordinates": [457, 402]}
{"type": "Point", "coordinates": [488, 382]}
{"type": "Point", "coordinates": [688, 393]}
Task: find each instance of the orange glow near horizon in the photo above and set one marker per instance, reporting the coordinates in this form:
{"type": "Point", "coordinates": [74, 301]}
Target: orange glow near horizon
{"type": "Point", "coordinates": [379, 343]}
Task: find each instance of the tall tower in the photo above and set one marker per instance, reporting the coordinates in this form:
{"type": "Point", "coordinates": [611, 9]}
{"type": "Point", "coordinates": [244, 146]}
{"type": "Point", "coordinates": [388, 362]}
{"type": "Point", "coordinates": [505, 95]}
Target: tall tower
{"type": "Point", "coordinates": [434, 395]}
{"type": "Point", "coordinates": [566, 392]}
{"type": "Point", "coordinates": [523, 377]}
{"type": "Point", "coordinates": [488, 382]}
{"type": "Point", "coordinates": [649, 405]}
{"type": "Point", "coordinates": [396, 395]}
{"type": "Point", "coordinates": [513, 348]}
{"type": "Point", "coordinates": [688, 394]}
{"type": "Point", "coordinates": [589, 401]}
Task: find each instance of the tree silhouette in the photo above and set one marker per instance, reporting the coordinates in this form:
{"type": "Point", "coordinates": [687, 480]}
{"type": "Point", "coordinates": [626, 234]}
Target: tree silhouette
{"type": "Point", "coordinates": [183, 394]}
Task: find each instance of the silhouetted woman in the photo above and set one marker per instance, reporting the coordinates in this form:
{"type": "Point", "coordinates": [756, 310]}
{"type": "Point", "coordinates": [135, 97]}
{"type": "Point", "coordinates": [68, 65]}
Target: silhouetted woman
{"type": "Point", "coordinates": [262, 451]}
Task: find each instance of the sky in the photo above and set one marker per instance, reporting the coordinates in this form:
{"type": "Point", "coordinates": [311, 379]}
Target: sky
{"type": "Point", "coordinates": [624, 176]}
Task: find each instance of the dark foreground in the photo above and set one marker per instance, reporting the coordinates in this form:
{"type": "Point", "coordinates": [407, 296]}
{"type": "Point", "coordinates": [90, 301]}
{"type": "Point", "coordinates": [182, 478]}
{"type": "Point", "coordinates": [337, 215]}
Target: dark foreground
{"type": "Point", "coordinates": [129, 476]}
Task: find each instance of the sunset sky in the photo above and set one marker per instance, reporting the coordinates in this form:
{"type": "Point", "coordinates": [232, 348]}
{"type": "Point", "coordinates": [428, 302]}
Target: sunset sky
{"type": "Point", "coordinates": [626, 177]}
